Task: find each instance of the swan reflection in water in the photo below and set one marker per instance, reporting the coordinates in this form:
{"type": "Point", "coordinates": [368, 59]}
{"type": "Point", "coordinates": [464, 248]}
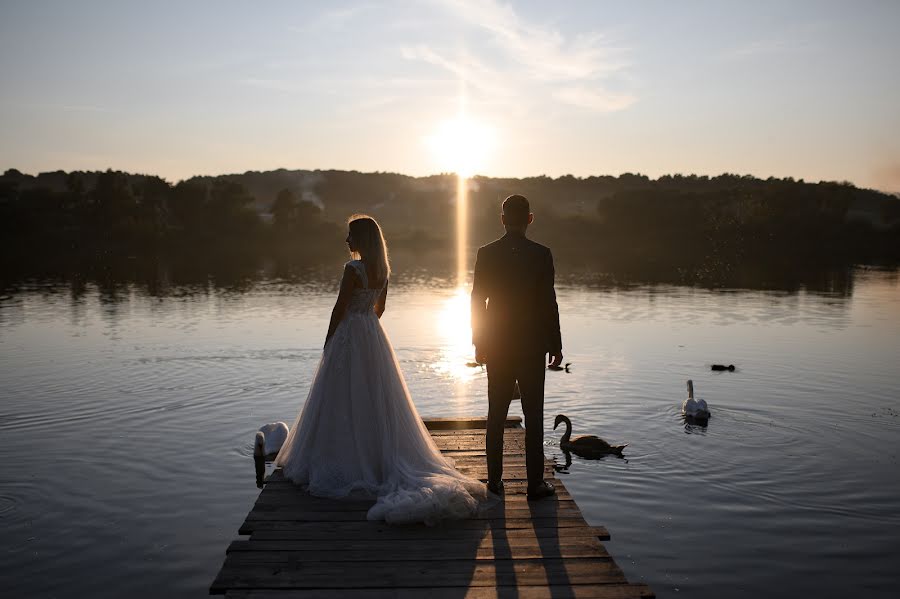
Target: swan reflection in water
{"type": "Point", "coordinates": [260, 463]}
{"type": "Point", "coordinates": [695, 427]}
{"type": "Point", "coordinates": [564, 468]}
{"type": "Point", "coordinates": [588, 447]}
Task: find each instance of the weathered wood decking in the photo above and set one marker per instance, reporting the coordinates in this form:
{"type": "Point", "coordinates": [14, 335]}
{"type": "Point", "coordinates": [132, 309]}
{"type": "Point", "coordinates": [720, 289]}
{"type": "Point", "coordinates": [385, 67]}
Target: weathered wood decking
{"type": "Point", "coordinates": [308, 547]}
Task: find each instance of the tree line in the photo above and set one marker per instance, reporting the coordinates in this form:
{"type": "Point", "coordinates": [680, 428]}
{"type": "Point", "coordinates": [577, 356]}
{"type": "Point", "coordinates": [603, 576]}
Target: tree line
{"type": "Point", "coordinates": [630, 223]}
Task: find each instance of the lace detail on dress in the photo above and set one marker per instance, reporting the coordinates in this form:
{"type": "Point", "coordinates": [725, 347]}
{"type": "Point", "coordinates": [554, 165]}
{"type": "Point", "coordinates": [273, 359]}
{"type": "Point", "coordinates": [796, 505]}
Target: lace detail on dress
{"type": "Point", "coordinates": [363, 299]}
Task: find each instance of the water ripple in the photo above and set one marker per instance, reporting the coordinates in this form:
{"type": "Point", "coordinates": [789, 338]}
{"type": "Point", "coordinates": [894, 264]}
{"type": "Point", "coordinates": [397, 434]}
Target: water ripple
{"type": "Point", "coordinates": [142, 411]}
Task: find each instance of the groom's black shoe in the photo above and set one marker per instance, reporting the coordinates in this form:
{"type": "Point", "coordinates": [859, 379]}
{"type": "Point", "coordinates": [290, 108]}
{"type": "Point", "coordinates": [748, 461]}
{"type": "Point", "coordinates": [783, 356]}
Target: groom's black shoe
{"type": "Point", "coordinates": [495, 487]}
{"type": "Point", "coordinates": [541, 490]}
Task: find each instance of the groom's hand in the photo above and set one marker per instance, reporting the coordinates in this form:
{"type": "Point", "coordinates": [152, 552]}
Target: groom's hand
{"type": "Point", "coordinates": [556, 359]}
{"type": "Point", "coordinates": [480, 356]}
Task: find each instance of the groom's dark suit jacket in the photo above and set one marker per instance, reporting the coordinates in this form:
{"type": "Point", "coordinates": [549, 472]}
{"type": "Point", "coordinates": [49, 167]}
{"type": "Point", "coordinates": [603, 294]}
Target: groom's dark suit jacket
{"type": "Point", "coordinates": [514, 310]}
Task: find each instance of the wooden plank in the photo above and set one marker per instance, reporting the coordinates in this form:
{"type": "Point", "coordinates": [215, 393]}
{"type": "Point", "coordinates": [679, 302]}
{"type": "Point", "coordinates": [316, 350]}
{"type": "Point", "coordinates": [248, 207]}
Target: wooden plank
{"type": "Point", "coordinates": [424, 533]}
{"type": "Point", "coordinates": [514, 490]}
{"type": "Point", "coordinates": [486, 547]}
{"type": "Point", "coordinates": [509, 461]}
{"type": "Point", "coordinates": [513, 478]}
{"type": "Point", "coordinates": [365, 527]}
{"type": "Point", "coordinates": [593, 591]}
{"type": "Point", "coordinates": [513, 439]}
{"type": "Point", "coordinates": [509, 474]}
{"type": "Point", "coordinates": [473, 461]}
{"type": "Point", "coordinates": [469, 422]}
{"type": "Point", "coordinates": [476, 432]}
{"type": "Point", "coordinates": [295, 507]}
{"type": "Point", "coordinates": [285, 551]}
{"type": "Point", "coordinates": [305, 547]}
{"type": "Point", "coordinates": [294, 495]}
{"type": "Point", "coordinates": [469, 463]}
{"type": "Point", "coordinates": [360, 516]}
{"type": "Point", "coordinates": [453, 453]}
{"type": "Point", "coordinates": [459, 442]}
{"type": "Point", "coordinates": [472, 464]}
{"type": "Point", "coordinates": [240, 571]}
{"type": "Point", "coordinates": [479, 472]}
{"type": "Point", "coordinates": [298, 500]}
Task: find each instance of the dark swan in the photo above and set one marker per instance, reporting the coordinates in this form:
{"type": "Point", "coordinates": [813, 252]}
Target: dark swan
{"type": "Point", "coordinates": [588, 446]}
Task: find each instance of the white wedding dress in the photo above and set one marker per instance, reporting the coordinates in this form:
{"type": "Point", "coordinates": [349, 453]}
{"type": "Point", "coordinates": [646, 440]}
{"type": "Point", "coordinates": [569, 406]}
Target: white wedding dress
{"type": "Point", "coordinates": [359, 434]}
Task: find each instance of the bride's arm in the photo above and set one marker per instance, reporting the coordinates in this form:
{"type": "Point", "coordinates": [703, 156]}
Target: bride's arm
{"type": "Point", "coordinates": [381, 303]}
{"type": "Point", "coordinates": [348, 282]}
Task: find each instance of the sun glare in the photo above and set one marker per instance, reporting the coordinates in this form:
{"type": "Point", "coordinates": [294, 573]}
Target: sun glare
{"type": "Point", "coordinates": [461, 145]}
{"type": "Point", "coordinates": [455, 331]}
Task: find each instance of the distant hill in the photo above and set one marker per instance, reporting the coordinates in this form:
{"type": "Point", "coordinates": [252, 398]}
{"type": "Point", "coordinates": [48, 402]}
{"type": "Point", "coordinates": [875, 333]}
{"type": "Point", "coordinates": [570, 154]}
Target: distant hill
{"type": "Point", "coordinates": [416, 200]}
{"type": "Point", "coordinates": [674, 228]}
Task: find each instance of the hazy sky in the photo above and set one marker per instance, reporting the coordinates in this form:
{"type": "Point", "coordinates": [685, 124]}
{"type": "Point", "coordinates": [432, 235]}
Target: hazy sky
{"type": "Point", "coordinates": [808, 89]}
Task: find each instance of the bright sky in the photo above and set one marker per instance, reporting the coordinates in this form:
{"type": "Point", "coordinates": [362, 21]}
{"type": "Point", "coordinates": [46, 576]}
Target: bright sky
{"type": "Point", "coordinates": [808, 89]}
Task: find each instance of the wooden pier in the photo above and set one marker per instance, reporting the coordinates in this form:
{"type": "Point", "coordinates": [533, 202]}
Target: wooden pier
{"type": "Point", "coordinates": [307, 547]}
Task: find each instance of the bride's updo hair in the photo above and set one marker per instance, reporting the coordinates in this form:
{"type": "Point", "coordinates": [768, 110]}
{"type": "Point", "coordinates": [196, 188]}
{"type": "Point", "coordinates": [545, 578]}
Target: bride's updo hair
{"type": "Point", "coordinates": [370, 244]}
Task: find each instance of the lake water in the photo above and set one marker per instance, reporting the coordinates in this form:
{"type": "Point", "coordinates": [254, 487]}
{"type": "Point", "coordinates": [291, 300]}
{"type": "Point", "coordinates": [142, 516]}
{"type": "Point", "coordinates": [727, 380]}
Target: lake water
{"type": "Point", "coordinates": [127, 420]}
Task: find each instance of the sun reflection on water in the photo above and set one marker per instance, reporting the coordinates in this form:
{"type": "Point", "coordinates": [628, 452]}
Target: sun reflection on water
{"type": "Point", "coordinates": [455, 332]}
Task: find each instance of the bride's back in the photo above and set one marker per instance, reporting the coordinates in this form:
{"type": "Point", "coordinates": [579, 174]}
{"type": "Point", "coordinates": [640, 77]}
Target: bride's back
{"type": "Point", "coordinates": [364, 297]}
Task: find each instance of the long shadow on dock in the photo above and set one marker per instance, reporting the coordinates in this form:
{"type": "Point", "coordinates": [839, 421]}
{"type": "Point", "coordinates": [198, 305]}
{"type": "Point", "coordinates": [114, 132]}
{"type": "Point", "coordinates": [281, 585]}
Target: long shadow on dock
{"type": "Point", "coordinates": [503, 556]}
{"type": "Point", "coordinates": [550, 548]}
{"type": "Point", "coordinates": [307, 547]}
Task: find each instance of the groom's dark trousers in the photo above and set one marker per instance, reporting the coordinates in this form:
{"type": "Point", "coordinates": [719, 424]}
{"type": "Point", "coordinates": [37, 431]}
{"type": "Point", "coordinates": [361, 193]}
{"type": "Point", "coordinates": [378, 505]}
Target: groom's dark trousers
{"type": "Point", "coordinates": [503, 373]}
{"type": "Point", "coordinates": [515, 323]}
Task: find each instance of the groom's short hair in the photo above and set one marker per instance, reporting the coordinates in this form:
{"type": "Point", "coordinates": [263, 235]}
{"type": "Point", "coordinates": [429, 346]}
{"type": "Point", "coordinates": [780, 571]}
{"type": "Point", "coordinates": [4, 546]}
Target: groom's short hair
{"type": "Point", "coordinates": [516, 210]}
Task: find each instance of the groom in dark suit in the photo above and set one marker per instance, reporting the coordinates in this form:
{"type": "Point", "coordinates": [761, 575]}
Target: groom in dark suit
{"type": "Point", "coordinates": [515, 324]}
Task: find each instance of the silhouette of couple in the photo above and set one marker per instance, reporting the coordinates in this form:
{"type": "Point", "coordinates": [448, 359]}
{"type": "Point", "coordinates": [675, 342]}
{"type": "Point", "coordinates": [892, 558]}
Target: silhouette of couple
{"type": "Point", "coordinates": [359, 434]}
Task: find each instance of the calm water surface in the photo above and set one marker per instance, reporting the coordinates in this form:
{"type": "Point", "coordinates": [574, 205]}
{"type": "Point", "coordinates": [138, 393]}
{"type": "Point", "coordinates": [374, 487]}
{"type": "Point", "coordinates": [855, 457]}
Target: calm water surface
{"type": "Point", "coordinates": [127, 420]}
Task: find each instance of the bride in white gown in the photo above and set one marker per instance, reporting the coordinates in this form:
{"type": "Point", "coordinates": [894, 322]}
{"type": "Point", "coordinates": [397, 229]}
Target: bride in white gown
{"type": "Point", "coordinates": [359, 434]}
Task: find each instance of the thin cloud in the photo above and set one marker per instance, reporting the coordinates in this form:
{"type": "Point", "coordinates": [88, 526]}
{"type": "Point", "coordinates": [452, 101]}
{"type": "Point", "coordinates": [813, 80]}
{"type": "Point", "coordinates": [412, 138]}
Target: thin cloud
{"type": "Point", "coordinates": [83, 108]}
{"type": "Point", "coordinates": [578, 64]}
{"type": "Point", "coordinates": [467, 68]}
{"type": "Point", "coordinates": [332, 19]}
{"type": "Point", "coordinates": [762, 47]}
{"type": "Point", "coordinates": [544, 52]}
{"type": "Point", "coordinates": [591, 99]}
{"type": "Point", "coordinates": [279, 85]}
{"type": "Point", "coordinates": [800, 38]}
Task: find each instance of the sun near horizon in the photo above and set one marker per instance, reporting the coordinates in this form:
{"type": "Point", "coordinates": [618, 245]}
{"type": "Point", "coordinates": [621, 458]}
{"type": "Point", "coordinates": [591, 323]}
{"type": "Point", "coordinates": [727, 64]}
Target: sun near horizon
{"type": "Point", "coordinates": [462, 145]}
{"type": "Point", "coordinates": [796, 89]}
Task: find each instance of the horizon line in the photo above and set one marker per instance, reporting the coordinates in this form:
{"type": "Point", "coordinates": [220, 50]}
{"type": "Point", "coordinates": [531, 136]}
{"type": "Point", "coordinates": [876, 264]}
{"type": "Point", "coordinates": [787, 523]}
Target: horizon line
{"type": "Point", "coordinates": [175, 181]}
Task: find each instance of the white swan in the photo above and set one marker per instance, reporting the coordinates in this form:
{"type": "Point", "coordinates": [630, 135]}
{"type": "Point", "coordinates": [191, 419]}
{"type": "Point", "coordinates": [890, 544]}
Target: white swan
{"type": "Point", "coordinates": [270, 438]}
{"type": "Point", "coordinates": [695, 409]}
